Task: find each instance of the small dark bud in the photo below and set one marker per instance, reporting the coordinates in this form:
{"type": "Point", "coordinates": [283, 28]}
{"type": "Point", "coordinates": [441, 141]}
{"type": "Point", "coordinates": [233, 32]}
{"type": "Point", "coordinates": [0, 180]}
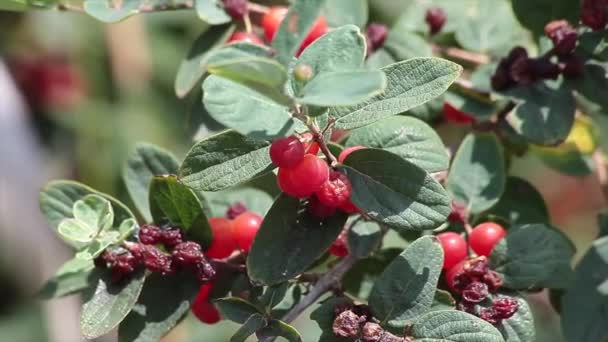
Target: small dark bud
{"type": "Point", "coordinates": [563, 36]}
{"type": "Point", "coordinates": [522, 71]}
{"type": "Point", "coordinates": [571, 66]}
{"type": "Point", "coordinates": [340, 308]}
{"type": "Point", "coordinates": [475, 292]}
{"type": "Point", "coordinates": [435, 18]}
{"type": "Point", "coordinates": [376, 36]}
{"type": "Point", "coordinates": [459, 212]}
{"type": "Point", "coordinates": [502, 78]}
{"type": "Point", "coordinates": [236, 9]}
{"type": "Point", "coordinates": [346, 325]}
{"type": "Point", "coordinates": [544, 69]}
{"type": "Point", "coordinates": [235, 210]}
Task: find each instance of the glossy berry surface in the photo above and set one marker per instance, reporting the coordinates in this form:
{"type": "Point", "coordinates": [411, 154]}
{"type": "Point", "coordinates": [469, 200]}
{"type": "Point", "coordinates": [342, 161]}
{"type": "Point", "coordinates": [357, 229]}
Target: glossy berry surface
{"type": "Point", "coordinates": [271, 21]}
{"type": "Point", "coordinates": [318, 29]}
{"type": "Point", "coordinates": [454, 248]}
{"type": "Point", "coordinates": [305, 178]}
{"type": "Point", "coordinates": [202, 308]}
{"type": "Point", "coordinates": [286, 152]}
{"type": "Point", "coordinates": [347, 151]}
{"type": "Point", "coordinates": [247, 37]}
{"type": "Point", "coordinates": [288, 186]}
{"type": "Point", "coordinates": [452, 114]}
{"type": "Point", "coordinates": [318, 209]}
{"type": "Point", "coordinates": [245, 226]}
{"type": "Point", "coordinates": [485, 236]}
{"type": "Point", "coordinates": [222, 241]}
{"type": "Point", "coordinates": [336, 191]}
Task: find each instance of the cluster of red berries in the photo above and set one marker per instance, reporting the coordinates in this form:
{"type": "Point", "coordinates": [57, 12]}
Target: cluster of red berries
{"type": "Point", "coordinates": [482, 240]}
{"type": "Point", "coordinates": [146, 253]}
{"type": "Point", "coordinates": [435, 19]}
{"type": "Point", "coordinates": [594, 14]}
{"type": "Point", "coordinates": [302, 174]}
{"type": "Point", "coordinates": [271, 21]}
{"type": "Point", "coordinates": [234, 232]}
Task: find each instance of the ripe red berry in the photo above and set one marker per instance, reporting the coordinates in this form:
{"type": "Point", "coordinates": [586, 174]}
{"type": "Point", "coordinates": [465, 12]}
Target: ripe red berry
{"type": "Point", "coordinates": [335, 191]}
{"type": "Point", "coordinates": [318, 209]}
{"type": "Point", "coordinates": [222, 241]}
{"type": "Point", "coordinates": [347, 151]}
{"type": "Point", "coordinates": [286, 152]}
{"type": "Point", "coordinates": [454, 248]}
{"type": "Point", "coordinates": [318, 29]}
{"type": "Point", "coordinates": [305, 178]}
{"type": "Point", "coordinates": [272, 20]}
{"type": "Point", "coordinates": [485, 236]}
{"type": "Point", "coordinates": [245, 227]}
{"type": "Point", "coordinates": [349, 207]}
{"type": "Point", "coordinates": [340, 247]}
{"type": "Point", "coordinates": [310, 146]}
{"type": "Point", "coordinates": [451, 114]}
{"type": "Point", "coordinates": [205, 311]}
{"type": "Point", "coordinates": [247, 37]}
{"type": "Point", "coordinates": [435, 18]}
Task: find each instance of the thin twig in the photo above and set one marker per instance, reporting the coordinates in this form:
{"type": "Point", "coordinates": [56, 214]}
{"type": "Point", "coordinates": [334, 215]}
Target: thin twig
{"type": "Point", "coordinates": [462, 55]}
{"type": "Point", "coordinates": [257, 8]}
{"type": "Point", "coordinates": [317, 135]}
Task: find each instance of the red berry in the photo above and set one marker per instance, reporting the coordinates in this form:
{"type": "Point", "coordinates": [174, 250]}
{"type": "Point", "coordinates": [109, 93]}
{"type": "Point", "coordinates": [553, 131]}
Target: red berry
{"type": "Point", "coordinates": [202, 308]}
{"type": "Point", "coordinates": [318, 29]}
{"type": "Point", "coordinates": [451, 114]}
{"type": "Point", "coordinates": [347, 151]}
{"type": "Point", "coordinates": [376, 36]}
{"type": "Point", "coordinates": [340, 247]}
{"type": "Point", "coordinates": [485, 236]}
{"type": "Point", "coordinates": [245, 226]}
{"type": "Point", "coordinates": [435, 18]}
{"type": "Point", "coordinates": [305, 178]}
{"type": "Point", "coordinates": [453, 272]}
{"type": "Point", "coordinates": [318, 209]}
{"type": "Point", "coordinates": [563, 36]}
{"type": "Point", "coordinates": [335, 191]}
{"type": "Point", "coordinates": [272, 20]}
{"type": "Point", "coordinates": [247, 37]}
{"type": "Point", "coordinates": [222, 241]}
{"type": "Point", "coordinates": [593, 14]}
{"type": "Point", "coordinates": [454, 248]}
{"type": "Point", "coordinates": [149, 234]}
{"type": "Point", "coordinates": [287, 152]}
{"type": "Point", "coordinates": [349, 207]}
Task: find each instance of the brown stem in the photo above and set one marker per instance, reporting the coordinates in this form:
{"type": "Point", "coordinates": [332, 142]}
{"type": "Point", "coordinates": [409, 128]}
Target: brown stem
{"type": "Point", "coordinates": [317, 135]}
{"type": "Point", "coordinates": [462, 55]}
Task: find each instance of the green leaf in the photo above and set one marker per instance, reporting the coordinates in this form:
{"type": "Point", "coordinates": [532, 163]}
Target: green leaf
{"type": "Point", "coordinates": [521, 203]}
{"type": "Point", "coordinates": [453, 326]}
{"type": "Point", "coordinates": [479, 108]}
{"type": "Point", "coordinates": [246, 110]}
{"type": "Point", "coordinates": [282, 329]}
{"type": "Point", "coordinates": [584, 306]}
{"type": "Point", "coordinates": [294, 28]}
{"type": "Point", "coordinates": [110, 12]}
{"type": "Point", "coordinates": [164, 301]}
{"type": "Point", "coordinates": [520, 327]}
{"type": "Point", "coordinates": [74, 231]}
{"type": "Point", "coordinates": [410, 83]}
{"type": "Point", "coordinates": [109, 304]}
{"type": "Point", "coordinates": [593, 85]}
{"type": "Point", "coordinates": [193, 67]}
{"type": "Point", "coordinates": [224, 160]}
{"type": "Point", "coordinates": [324, 316]}
{"type": "Point", "coordinates": [254, 199]}
{"type": "Point", "coordinates": [94, 211]}
{"type": "Point", "coordinates": [594, 43]}
{"type": "Point", "coordinates": [212, 12]}
{"type": "Point", "coordinates": [535, 14]}
{"type": "Point", "coordinates": [289, 241]}
{"type": "Point", "coordinates": [57, 201]}
{"type": "Point", "coordinates": [443, 300]}
{"type": "Point", "coordinates": [173, 201]}
{"type": "Point", "coordinates": [379, 59]}
{"type": "Point", "coordinates": [14, 5]}
{"type": "Point", "coordinates": [258, 70]}
{"type": "Point", "coordinates": [236, 309]}
{"type": "Point", "coordinates": [145, 162]}
{"type": "Point", "coordinates": [344, 12]}
{"type": "Point", "coordinates": [360, 279]}
{"type": "Point", "coordinates": [407, 137]}
{"type": "Point", "coordinates": [402, 45]}
{"type": "Point", "coordinates": [544, 113]}
{"type": "Point", "coordinates": [363, 238]}
{"type": "Point", "coordinates": [253, 324]}
{"type": "Point", "coordinates": [74, 276]}
{"type": "Point", "coordinates": [329, 90]}
{"type": "Point", "coordinates": [532, 256]}
{"type": "Point", "coordinates": [394, 191]}
{"type": "Point", "coordinates": [274, 295]}
{"type": "Point", "coordinates": [478, 175]}
{"type": "Point", "coordinates": [407, 286]}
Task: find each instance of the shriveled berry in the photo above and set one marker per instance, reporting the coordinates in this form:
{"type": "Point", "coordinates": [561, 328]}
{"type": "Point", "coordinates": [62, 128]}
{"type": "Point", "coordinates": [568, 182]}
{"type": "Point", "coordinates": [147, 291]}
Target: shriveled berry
{"type": "Point", "coordinates": [318, 209]}
{"type": "Point", "coordinates": [171, 237]}
{"type": "Point", "coordinates": [335, 191]}
{"type": "Point", "coordinates": [488, 315]}
{"type": "Point", "coordinates": [245, 227]}
{"type": "Point", "coordinates": [237, 9]}
{"type": "Point", "coordinates": [340, 247]}
{"type": "Point", "coordinates": [485, 236]}
{"type": "Point", "coordinates": [372, 332]}
{"type": "Point", "coordinates": [376, 35]}
{"type": "Point", "coordinates": [187, 254]}
{"type": "Point", "coordinates": [347, 151]}
{"type": "Point", "coordinates": [452, 114]}
{"type": "Point", "coordinates": [272, 20]}
{"type": "Point", "coordinates": [235, 210]}
{"type": "Point", "coordinates": [222, 241]}
{"type": "Point", "coordinates": [204, 271]}
{"type": "Point", "coordinates": [149, 234]}
{"type": "Point", "coordinates": [505, 307]}
{"type": "Point", "coordinates": [593, 14]}
{"type": "Point", "coordinates": [493, 280]}
{"type": "Point", "coordinates": [156, 261]}
{"type": "Point", "coordinates": [477, 267]}
{"type": "Point", "coordinates": [571, 66]}
{"type": "Point", "coordinates": [346, 324]}
{"type": "Point", "coordinates": [435, 18]}
{"type": "Point", "coordinates": [307, 176]}
{"type": "Point", "coordinates": [287, 152]}
{"type": "Point", "coordinates": [456, 277]}
{"type": "Point", "coordinates": [247, 37]}
{"type": "Point", "coordinates": [475, 292]}
{"type": "Point", "coordinates": [563, 36]}
{"type": "Point", "coordinates": [454, 248]}
{"type": "Point", "coordinates": [502, 77]}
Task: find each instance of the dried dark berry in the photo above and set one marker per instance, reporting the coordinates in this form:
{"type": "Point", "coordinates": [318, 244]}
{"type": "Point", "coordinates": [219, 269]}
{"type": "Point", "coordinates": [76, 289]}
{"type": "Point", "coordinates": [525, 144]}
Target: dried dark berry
{"type": "Point", "coordinates": [493, 280]}
{"type": "Point", "coordinates": [488, 315]}
{"type": "Point", "coordinates": [376, 36]}
{"type": "Point", "coordinates": [204, 271]}
{"type": "Point", "coordinates": [505, 307]}
{"type": "Point", "coordinates": [571, 66]}
{"type": "Point", "coordinates": [594, 14]}
{"type": "Point", "coordinates": [235, 210]}
{"type": "Point", "coordinates": [340, 308]}
{"type": "Point", "coordinates": [435, 18]}
{"type": "Point", "coordinates": [236, 9]}
{"type": "Point", "coordinates": [503, 76]}
{"type": "Point", "coordinates": [171, 237]}
{"type": "Point", "coordinates": [156, 261]}
{"type": "Point", "coordinates": [465, 306]}
{"type": "Point", "coordinates": [477, 267]}
{"type": "Point", "coordinates": [187, 254]}
{"type": "Point", "coordinates": [544, 69]}
{"type": "Point", "coordinates": [149, 234]}
{"type": "Point", "coordinates": [346, 324]}
{"type": "Point", "coordinates": [371, 332]}
{"type": "Point", "coordinates": [475, 292]}
{"type": "Point", "coordinates": [563, 36]}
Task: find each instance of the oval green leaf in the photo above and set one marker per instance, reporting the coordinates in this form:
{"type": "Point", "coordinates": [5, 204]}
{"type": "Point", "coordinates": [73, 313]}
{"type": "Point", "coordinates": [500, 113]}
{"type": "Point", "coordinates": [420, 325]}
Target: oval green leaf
{"type": "Point", "coordinates": [329, 90]}
{"type": "Point", "coordinates": [453, 326]}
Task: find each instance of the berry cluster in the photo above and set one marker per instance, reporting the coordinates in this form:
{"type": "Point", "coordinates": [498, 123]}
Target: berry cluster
{"type": "Point", "coordinates": [356, 321]}
{"type": "Point", "coordinates": [302, 174]}
{"type": "Point", "coordinates": [476, 285]}
{"type": "Point", "coordinates": [236, 232]}
{"type": "Point", "coordinates": [146, 253]}
{"type": "Point", "coordinates": [482, 240]}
